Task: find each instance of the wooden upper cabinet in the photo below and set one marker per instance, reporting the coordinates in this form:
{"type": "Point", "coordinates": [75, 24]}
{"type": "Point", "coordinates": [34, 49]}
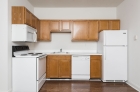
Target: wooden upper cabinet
{"type": "Point", "coordinates": [103, 25]}
{"type": "Point", "coordinates": [44, 30]}
{"type": "Point", "coordinates": [65, 26]}
{"type": "Point", "coordinates": [33, 20]}
{"type": "Point", "coordinates": [85, 30]}
{"type": "Point", "coordinates": [80, 30]}
{"type": "Point", "coordinates": [95, 66]}
{"type": "Point", "coordinates": [114, 24]}
{"type": "Point", "coordinates": [93, 30]}
{"type": "Point", "coordinates": [109, 25]}
{"type": "Point", "coordinates": [38, 28]}
{"type": "Point", "coordinates": [60, 26]}
{"type": "Point", "coordinates": [28, 17]}
{"type": "Point", "coordinates": [21, 15]}
{"type": "Point", "coordinates": [54, 25]}
{"type": "Point", "coordinates": [17, 15]}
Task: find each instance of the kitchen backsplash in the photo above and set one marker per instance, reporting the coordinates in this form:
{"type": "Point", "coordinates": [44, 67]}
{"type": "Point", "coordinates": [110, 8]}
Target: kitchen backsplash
{"type": "Point", "coordinates": [63, 40]}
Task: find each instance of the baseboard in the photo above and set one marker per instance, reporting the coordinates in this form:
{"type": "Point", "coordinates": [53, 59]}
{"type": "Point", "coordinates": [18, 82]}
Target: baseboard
{"type": "Point", "coordinates": [134, 86]}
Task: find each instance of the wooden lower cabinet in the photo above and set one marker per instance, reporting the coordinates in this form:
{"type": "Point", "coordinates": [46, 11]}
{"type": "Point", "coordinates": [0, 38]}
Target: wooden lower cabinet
{"type": "Point", "coordinates": [58, 66]}
{"type": "Point", "coordinates": [95, 66]}
{"type": "Point", "coordinates": [65, 68]}
{"type": "Point", "coordinates": [53, 68]}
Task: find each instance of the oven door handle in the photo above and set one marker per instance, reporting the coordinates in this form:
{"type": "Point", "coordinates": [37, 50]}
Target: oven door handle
{"type": "Point", "coordinates": [42, 56]}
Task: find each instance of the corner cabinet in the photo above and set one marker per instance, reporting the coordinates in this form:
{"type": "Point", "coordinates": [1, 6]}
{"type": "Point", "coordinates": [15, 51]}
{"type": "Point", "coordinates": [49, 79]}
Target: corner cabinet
{"type": "Point", "coordinates": [21, 15]}
{"type": "Point", "coordinates": [85, 30]}
{"type": "Point", "coordinates": [95, 66]}
{"type": "Point", "coordinates": [58, 66]}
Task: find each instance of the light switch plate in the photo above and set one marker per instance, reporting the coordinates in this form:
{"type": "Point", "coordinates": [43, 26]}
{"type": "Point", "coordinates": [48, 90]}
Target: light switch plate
{"type": "Point", "coordinates": [135, 37]}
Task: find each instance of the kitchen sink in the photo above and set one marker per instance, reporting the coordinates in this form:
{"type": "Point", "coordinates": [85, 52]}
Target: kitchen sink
{"type": "Point", "coordinates": [60, 52]}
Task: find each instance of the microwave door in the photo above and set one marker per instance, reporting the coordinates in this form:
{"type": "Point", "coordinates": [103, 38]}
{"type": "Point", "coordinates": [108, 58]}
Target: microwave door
{"type": "Point", "coordinates": [35, 37]}
{"type": "Point", "coordinates": [30, 36]}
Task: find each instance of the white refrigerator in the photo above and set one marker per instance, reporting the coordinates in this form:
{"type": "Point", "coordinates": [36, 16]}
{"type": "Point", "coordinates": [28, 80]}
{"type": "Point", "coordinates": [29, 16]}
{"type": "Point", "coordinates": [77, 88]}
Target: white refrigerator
{"type": "Point", "coordinates": [113, 45]}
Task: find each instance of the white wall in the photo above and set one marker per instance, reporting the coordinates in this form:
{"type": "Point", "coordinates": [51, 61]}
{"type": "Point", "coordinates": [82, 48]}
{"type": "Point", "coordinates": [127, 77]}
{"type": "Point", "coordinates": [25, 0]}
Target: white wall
{"type": "Point", "coordinates": [63, 40]}
{"type": "Point", "coordinates": [5, 48]}
{"type": "Point", "coordinates": [129, 14]}
{"type": "Point", "coordinates": [22, 3]}
{"type": "Point", "coordinates": [75, 13]}
{"type": "Point", "coordinates": [5, 40]}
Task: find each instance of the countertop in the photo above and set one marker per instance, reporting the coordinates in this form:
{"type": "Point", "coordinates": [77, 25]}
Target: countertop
{"type": "Point", "coordinates": [72, 53]}
{"type": "Point", "coordinates": [67, 52]}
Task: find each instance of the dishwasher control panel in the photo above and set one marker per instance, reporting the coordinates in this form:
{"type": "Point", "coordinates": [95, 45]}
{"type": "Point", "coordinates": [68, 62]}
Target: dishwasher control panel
{"type": "Point", "coordinates": [80, 57]}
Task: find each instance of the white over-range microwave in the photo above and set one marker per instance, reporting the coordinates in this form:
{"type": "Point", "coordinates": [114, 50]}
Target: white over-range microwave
{"type": "Point", "coordinates": [23, 33]}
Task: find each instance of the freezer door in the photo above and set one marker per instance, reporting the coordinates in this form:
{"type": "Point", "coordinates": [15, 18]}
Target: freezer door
{"type": "Point", "coordinates": [115, 37]}
{"type": "Point", "coordinates": [115, 63]}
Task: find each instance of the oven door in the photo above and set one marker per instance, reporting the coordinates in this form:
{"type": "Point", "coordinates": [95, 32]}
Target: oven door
{"type": "Point", "coordinates": [41, 66]}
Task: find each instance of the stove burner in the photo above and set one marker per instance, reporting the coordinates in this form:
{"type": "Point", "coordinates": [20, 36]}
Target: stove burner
{"type": "Point", "coordinates": [34, 53]}
{"type": "Point", "coordinates": [23, 54]}
{"type": "Point", "coordinates": [30, 53]}
{"type": "Point", "coordinates": [38, 53]}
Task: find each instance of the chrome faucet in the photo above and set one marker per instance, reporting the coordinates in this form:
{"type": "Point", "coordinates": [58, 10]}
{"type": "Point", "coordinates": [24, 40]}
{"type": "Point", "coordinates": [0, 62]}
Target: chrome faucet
{"type": "Point", "coordinates": [61, 50]}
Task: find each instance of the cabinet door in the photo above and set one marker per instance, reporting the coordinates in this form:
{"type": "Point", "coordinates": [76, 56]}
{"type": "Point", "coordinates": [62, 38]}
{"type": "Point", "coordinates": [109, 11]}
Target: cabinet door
{"type": "Point", "coordinates": [17, 15]}
{"type": "Point", "coordinates": [80, 30]}
{"type": "Point", "coordinates": [95, 67]}
{"type": "Point", "coordinates": [28, 17]}
{"type": "Point", "coordinates": [64, 68]}
{"type": "Point", "coordinates": [54, 25]}
{"type": "Point", "coordinates": [44, 30]}
{"type": "Point", "coordinates": [47, 67]}
{"type": "Point", "coordinates": [65, 26]}
{"type": "Point", "coordinates": [103, 25]}
{"type": "Point", "coordinates": [93, 30]}
{"type": "Point", "coordinates": [38, 29]}
{"type": "Point", "coordinates": [53, 68]}
{"type": "Point", "coordinates": [114, 24]}
{"type": "Point", "coordinates": [33, 20]}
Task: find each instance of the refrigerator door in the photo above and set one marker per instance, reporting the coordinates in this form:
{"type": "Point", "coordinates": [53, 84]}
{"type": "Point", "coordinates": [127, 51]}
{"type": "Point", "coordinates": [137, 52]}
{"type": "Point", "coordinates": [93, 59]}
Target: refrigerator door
{"type": "Point", "coordinates": [115, 63]}
{"type": "Point", "coordinates": [115, 37]}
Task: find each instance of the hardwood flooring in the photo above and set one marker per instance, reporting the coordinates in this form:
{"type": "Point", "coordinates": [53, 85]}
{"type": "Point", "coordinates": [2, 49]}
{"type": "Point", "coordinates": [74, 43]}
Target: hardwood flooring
{"type": "Point", "coordinates": [85, 86]}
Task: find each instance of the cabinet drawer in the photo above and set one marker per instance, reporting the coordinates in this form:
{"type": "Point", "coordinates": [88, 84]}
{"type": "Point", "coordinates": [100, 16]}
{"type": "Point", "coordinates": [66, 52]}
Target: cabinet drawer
{"type": "Point", "coordinates": [95, 57]}
{"type": "Point", "coordinates": [68, 57]}
{"type": "Point", "coordinates": [64, 56]}
{"type": "Point", "coordinates": [59, 56]}
{"type": "Point", "coordinates": [52, 56]}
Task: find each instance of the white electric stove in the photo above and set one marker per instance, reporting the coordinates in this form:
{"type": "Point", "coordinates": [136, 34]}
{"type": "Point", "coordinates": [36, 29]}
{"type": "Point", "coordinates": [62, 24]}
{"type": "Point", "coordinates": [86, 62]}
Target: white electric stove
{"type": "Point", "coordinates": [28, 69]}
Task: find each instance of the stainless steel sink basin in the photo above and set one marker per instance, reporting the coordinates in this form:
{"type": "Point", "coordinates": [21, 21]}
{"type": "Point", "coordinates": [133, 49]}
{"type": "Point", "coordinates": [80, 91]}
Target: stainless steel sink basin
{"type": "Point", "coordinates": [60, 52]}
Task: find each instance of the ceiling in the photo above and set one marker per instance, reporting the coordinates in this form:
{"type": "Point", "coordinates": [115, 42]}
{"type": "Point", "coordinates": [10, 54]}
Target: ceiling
{"type": "Point", "coordinates": [75, 3]}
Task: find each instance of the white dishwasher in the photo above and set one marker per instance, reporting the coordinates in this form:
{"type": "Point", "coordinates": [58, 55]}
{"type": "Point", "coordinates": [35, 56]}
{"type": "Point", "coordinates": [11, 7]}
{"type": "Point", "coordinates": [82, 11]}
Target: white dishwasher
{"type": "Point", "coordinates": [81, 67]}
